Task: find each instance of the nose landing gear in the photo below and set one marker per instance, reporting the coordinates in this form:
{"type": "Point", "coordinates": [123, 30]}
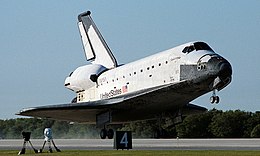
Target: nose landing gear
{"type": "Point", "coordinates": [214, 98]}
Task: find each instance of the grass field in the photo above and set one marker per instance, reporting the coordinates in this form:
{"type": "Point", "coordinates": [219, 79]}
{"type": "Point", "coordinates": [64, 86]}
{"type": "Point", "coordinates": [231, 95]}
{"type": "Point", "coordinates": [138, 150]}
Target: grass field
{"type": "Point", "coordinates": [135, 152]}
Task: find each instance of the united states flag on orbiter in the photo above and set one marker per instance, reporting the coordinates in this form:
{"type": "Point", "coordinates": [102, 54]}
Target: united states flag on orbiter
{"type": "Point", "coordinates": [124, 89]}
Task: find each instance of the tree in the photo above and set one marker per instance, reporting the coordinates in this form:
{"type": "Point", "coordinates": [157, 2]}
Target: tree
{"type": "Point", "coordinates": [195, 126]}
{"type": "Point", "coordinates": [230, 124]}
{"type": "Point", "coordinates": [213, 123]}
{"type": "Point", "coordinates": [60, 129]}
{"type": "Point", "coordinates": [256, 132]}
{"type": "Point", "coordinates": [251, 123]}
{"type": "Point", "coordinates": [141, 129]}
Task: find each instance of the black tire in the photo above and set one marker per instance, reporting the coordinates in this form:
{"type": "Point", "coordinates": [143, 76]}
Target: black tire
{"type": "Point", "coordinates": [212, 99]}
{"type": "Point", "coordinates": [217, 99]}
{"type": "Point", "coordinates": [103, 133]}
{"type": "Point", "coordinates": [110, 134]}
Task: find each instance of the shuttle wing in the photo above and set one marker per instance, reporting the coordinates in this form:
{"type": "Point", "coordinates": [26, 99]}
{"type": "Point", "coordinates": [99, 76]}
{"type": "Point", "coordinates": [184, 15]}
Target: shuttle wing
{"type": "Point", "coordinates": [95, 47]}
{"type": "Point", "coordinates": [86, 112]}
{"type": "Point", "coordinates": [77, 112]}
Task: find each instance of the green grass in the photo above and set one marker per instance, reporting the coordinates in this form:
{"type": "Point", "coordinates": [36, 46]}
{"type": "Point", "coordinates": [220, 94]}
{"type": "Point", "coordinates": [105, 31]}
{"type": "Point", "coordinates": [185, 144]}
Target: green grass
{"type": "Point", "coordinates": [134, 152]}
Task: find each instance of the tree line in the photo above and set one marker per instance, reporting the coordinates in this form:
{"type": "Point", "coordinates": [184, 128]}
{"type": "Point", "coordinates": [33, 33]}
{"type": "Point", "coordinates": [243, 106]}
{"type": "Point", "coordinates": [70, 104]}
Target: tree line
{"type": "Point", "coordinates": [212, 124]}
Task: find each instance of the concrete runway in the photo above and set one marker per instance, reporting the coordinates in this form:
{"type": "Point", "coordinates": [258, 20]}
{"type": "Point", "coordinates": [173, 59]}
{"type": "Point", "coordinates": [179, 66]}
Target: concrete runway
{"type": "Point", "coordinates": [141, 144]}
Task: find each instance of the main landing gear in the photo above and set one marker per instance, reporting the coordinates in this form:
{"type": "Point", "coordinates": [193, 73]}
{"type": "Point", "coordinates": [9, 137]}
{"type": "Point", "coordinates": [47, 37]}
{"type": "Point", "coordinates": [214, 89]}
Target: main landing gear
{"type": "Point", "coordinates": [107, 133]}
{"type": "Point", "coordinates": [214, 98]}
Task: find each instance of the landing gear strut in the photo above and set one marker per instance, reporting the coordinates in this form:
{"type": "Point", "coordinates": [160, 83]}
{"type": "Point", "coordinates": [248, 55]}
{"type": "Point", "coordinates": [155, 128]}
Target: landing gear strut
{"type": "Point", "coordinates": [214, 98]}
{"type": "Point", "coordinates": [106, 133]}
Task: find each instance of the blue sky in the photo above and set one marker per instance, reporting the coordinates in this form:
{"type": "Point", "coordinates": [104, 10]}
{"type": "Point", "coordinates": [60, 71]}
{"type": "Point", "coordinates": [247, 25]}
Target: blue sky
{"type": "Point", "coordinates": [40, 44]}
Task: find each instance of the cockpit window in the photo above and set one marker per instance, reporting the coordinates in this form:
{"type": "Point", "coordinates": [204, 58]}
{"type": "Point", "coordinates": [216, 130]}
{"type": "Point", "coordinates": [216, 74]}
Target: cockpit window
{"type": "Point", "coordinates": [188, 49]}
{"type": "Point", "coordinates": [201, 46]}
{"type": "Point", "coordinates": [196, 46]}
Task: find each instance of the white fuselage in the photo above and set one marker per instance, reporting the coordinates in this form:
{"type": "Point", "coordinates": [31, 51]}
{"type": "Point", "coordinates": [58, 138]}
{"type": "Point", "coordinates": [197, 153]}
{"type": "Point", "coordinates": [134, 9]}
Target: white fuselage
{"type": "Point", "coordinates": [156, 70]}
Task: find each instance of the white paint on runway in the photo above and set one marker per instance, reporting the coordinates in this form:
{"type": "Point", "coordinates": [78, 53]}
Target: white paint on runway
{"type": "Point", "coordinates": [142, 144]}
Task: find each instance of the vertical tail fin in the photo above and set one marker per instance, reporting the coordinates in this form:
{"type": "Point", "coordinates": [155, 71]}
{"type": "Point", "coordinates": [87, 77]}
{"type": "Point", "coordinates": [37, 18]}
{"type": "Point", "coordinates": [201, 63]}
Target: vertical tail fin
{"type": "Point", "coordinates": [95, 47]}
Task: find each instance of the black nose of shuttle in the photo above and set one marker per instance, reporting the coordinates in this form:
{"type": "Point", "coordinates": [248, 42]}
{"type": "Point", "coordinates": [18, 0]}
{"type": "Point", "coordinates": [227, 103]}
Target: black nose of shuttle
{"type": "Point", "coordinates": [222, 71]}
{"type": "Point", "coordinates": [225, 69]}
{"type": "Point", "coordinates": [220, 66]}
